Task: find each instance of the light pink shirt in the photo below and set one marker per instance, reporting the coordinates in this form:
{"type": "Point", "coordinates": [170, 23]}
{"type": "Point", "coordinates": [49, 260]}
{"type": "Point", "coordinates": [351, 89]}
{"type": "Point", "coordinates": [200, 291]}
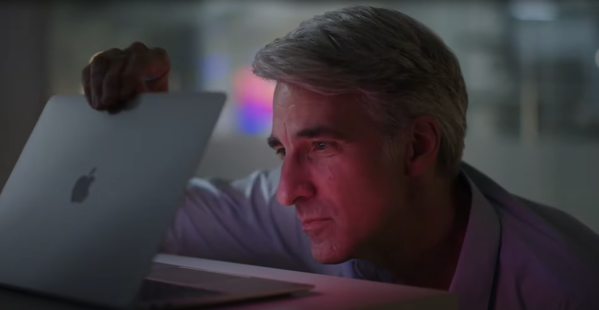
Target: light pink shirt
{"type": "Point", "coordinates": [516, 254]}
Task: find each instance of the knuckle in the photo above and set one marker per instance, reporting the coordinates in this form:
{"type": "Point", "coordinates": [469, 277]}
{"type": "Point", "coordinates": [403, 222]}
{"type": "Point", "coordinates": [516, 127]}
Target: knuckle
{"type": "Point", "coordinates": [137, 44]}
{"type": "Point", "coordinates": [98, 66]}
{"type": "Point", "coordinates": [160, 54]}
{"type": "Point", "coordinates": [134, 59]}
{"type": "Point", "coordinates": [101, 61]}
{"type": "Point", "coordinates": [106, 55]}
{"type": "Point", "coordinates": [159, 51]}
{"type": "Point", "coordinates": [138, 47]}
{"type": "Point", "coordinates": [94, 56]}
{"type": "Point", "coordinates": [112, 52]}
{"type": "Point", "coordinates": [98, 61]}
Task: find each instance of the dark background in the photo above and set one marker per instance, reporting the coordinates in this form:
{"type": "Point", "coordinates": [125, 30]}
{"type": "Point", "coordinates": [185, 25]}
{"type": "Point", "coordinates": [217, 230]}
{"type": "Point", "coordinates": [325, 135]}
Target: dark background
{"type": "Point", "coordinates": [532, 69]}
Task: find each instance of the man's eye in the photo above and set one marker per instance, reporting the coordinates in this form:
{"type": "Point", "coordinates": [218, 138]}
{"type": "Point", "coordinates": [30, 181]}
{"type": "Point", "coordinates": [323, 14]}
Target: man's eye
{"type": "Point", "coordinates": [280, 152]}
{"type": "Point", "coordinates": [321, 146]}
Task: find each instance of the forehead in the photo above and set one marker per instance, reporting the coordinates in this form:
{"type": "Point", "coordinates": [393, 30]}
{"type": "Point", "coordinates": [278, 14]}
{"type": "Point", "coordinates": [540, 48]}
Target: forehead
{"type": "Point", "coordinates": [295, 109]}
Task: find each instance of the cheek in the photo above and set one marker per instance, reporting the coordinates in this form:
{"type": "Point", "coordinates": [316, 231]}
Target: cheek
{"type": "Point", "coordinates": [359, 191]}
{"type": "Point", "coordinates": [356, 174]}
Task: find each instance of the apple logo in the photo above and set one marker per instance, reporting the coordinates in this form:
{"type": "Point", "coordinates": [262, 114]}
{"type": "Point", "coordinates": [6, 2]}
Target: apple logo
{"type": "Point", "coordinates": [81, 188]}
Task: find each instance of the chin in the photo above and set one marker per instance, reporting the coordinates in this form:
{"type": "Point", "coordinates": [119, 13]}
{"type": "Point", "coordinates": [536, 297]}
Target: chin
{"type": "Point", "coordinates": [330, 253]}
{"type": "Point", "coordinates": [330, 245]}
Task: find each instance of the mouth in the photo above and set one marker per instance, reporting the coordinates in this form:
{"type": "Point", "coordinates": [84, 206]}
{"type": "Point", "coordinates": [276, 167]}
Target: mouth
{"type": "Point", "coordinates": [315, 224]}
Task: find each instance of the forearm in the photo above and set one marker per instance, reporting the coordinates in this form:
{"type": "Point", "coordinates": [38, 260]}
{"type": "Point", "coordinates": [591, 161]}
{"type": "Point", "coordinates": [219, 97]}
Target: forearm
{"type": "Point", "coordinates": [240, 222]}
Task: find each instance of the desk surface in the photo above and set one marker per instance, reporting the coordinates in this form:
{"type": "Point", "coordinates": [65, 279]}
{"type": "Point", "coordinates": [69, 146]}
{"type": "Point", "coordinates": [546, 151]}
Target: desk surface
{"type": "Point", "coordinates": [329, 293]}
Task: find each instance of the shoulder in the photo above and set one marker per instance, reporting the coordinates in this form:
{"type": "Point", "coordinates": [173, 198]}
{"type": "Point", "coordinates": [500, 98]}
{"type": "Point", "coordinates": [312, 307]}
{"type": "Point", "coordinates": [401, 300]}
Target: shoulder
{"type": "Point", "coordinates": [549, 230]}
{"type": "Point", "coordinates": [548, 256]}
{"type": "Point", "coordinates": [260, 186]}
{"type": "Point", "coordinates": [515, 291]}
{"type": "Point", "coordinates": [249, 199]}
{"type": "Point", "coordinates": [564, 223]}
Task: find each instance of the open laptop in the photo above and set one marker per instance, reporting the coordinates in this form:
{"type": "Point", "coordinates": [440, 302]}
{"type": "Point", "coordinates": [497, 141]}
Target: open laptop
{"type": "Point", "coordinates": [92, 196]}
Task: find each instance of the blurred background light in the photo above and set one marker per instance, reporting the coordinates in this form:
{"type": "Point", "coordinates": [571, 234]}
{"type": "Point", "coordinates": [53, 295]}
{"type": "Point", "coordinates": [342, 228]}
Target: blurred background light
{"type": "Point", "coordinates": [253, 95]}
{"type": "Point", "coordinates": [534, 10]}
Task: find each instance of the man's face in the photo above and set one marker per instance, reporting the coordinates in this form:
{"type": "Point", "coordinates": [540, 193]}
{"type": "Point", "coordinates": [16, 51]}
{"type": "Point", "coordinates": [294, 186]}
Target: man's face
{"type": "Point", "coordinates": [344, 184]}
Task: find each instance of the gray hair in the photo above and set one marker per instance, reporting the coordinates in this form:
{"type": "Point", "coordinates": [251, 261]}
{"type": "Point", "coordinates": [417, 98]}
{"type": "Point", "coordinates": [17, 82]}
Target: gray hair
{"type": "Point", "coordinates": [399, 67]}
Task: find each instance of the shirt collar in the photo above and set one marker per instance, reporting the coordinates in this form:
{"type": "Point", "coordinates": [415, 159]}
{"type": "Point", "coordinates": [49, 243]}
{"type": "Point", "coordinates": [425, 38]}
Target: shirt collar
{"type": "Point", "coordinates": [474, 279]}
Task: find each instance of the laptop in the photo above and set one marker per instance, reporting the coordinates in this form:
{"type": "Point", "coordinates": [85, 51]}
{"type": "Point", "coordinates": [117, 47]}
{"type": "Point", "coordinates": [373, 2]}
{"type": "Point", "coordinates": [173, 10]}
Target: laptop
{"type": "Point", "coordinates": [92, 196]}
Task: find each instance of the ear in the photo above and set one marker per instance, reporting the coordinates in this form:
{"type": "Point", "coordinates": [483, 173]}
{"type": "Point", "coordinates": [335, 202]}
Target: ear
{"type": "Point", "coordinates": [423, 142]}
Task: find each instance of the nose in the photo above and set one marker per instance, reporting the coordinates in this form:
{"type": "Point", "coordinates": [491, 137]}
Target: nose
{"type": "Point", "coordinates": [294, 183]}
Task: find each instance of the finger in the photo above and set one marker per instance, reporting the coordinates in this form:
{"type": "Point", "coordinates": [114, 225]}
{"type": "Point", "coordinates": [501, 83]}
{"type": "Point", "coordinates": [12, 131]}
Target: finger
{"type": "Point", "coordinates": [162, 62]}
{"type": "Point", "coordinates": [111, 88]}
{"type": "Point", "coordinates": [138, 47]}
{"type": "Point", "coordinates": [132, 83]}
{"type": "Point", "coordinates": [85, 82]}
{"type": "Point", "coordinates": [138, 56]}
{"type": "Point", "coordinates": [160, 71]}
{"type": "Point", "coordinates": [98, 68]}
{"type": "Point", "coordinates": [155, 61]}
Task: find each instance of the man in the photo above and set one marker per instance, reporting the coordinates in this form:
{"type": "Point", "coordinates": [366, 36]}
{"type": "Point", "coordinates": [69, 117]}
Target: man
{"type": "Point", "coordinates": [369, 122]}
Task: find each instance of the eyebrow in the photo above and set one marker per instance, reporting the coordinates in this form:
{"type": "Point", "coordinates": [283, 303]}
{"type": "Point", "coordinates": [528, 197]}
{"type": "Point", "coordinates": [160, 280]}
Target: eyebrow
{"type": "Point", "coordinates": [310, 133]}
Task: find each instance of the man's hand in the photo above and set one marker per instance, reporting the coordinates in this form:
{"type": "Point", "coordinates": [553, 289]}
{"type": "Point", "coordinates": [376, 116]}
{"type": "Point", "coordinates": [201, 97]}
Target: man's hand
{"type": "Point", "coordinates": [115, 76]}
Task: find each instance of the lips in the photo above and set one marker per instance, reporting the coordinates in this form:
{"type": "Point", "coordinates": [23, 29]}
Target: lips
{"type": "Point", "coordinates": [315, 224]}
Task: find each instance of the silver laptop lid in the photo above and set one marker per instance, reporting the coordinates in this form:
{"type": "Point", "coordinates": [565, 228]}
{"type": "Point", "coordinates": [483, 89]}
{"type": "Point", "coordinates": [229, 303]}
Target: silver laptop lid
{"type": "Point", "coordinates": [92, 194]}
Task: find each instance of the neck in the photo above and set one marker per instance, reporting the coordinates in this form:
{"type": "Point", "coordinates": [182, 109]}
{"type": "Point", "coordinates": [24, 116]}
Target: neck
{"type": "Point", "coordinates": [428, 252]}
